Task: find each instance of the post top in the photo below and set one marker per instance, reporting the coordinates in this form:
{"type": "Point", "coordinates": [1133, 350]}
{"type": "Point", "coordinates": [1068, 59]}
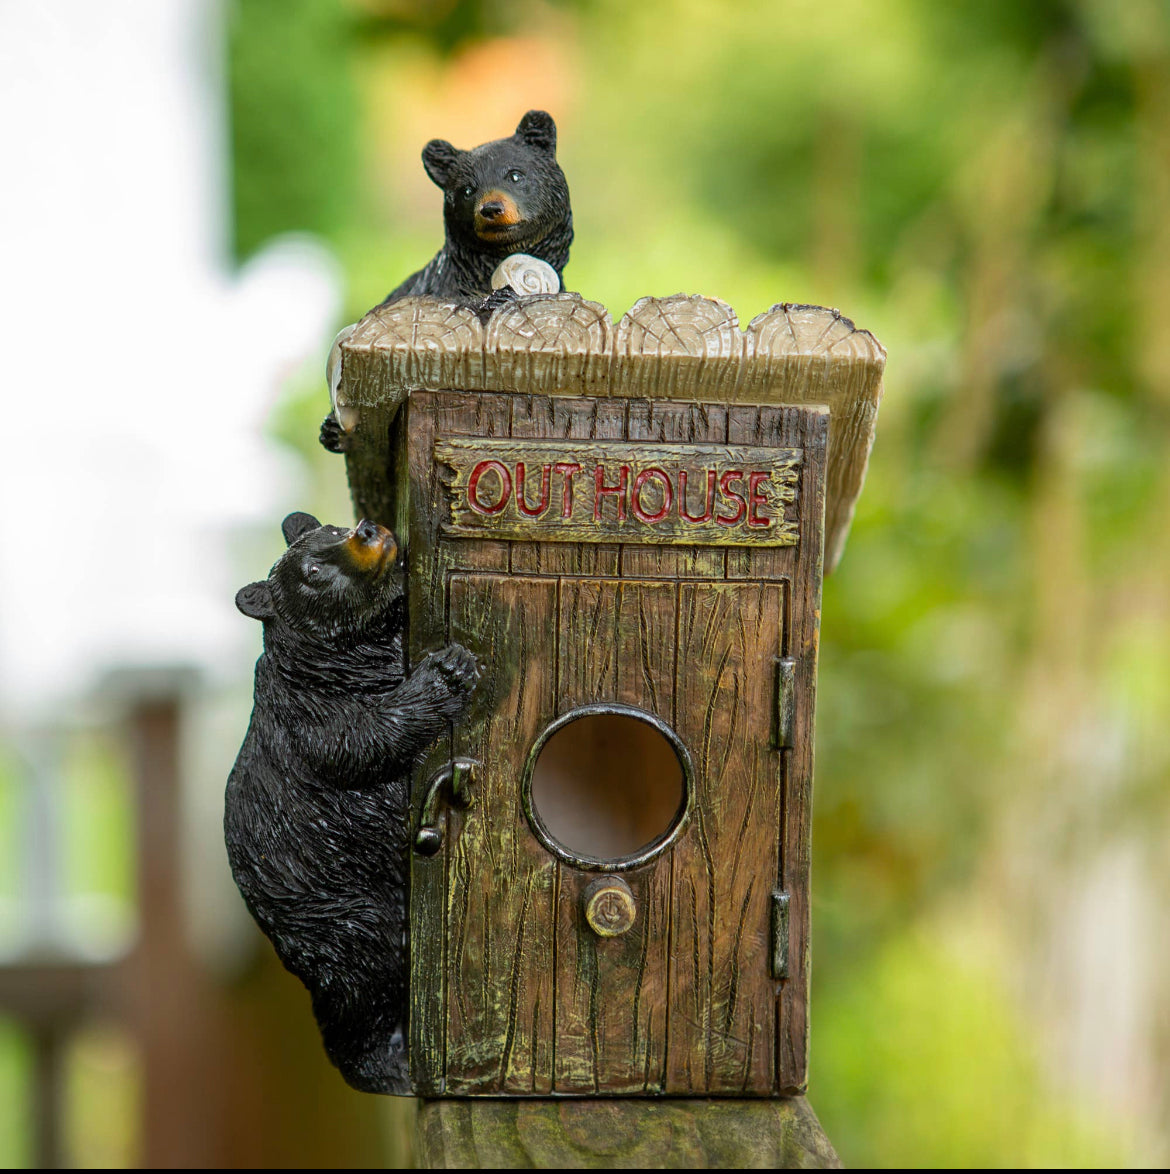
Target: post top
{"type": "Point", "coordinates": [679, 347]}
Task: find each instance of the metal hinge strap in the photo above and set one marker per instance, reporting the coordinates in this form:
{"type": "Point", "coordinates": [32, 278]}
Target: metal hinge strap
{"type": "Point", "coordinates": [785, 702]}
{"type": "Point", "coordinates": [780, 902]}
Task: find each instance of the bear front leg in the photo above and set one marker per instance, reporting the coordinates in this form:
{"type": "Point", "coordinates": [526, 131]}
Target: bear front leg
{"type": "Point", "coordinates": [417, 712]}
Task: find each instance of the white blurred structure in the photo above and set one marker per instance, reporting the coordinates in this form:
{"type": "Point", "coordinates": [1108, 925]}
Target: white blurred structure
{"type": "Point", "coordinates": [139, 368]}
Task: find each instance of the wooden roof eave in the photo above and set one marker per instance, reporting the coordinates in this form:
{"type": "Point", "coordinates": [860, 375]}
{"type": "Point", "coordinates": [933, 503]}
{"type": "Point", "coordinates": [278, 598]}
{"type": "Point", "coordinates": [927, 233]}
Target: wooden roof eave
{"type": "Point", "coordinates": [680, 347]}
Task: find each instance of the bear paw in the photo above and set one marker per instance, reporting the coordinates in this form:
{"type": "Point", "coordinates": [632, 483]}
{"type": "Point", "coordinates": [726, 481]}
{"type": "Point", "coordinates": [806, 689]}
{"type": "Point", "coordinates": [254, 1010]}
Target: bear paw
{"type": "Point", "coordinates": [333, 437]}
{"type": "Point", "coordinates": [456, 667]}
{"type": "Point", "coordinates": [497, 300]}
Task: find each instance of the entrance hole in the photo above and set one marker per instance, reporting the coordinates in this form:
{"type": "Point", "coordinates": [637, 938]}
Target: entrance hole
{"type": "Point", "coordinates": [607, 788]}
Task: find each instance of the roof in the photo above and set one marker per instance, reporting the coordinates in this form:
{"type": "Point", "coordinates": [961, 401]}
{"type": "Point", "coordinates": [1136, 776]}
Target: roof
{"type": "Point", "coordinates": [680, 347]}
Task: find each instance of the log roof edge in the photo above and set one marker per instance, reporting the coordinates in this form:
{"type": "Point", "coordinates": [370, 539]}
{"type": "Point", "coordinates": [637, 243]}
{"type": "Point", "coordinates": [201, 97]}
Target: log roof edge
{"type": "Point", "coordinates": [679, 347]}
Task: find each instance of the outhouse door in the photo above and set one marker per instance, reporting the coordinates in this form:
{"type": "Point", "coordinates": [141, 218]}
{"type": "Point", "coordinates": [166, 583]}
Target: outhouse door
{"type": "Point", "coordinates": [675, 962]}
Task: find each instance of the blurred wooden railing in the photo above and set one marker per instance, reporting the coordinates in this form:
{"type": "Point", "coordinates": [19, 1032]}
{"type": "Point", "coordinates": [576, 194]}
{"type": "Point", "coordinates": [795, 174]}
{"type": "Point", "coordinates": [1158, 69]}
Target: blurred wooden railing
{"type": "Point", "coordinates": [231, 1070]}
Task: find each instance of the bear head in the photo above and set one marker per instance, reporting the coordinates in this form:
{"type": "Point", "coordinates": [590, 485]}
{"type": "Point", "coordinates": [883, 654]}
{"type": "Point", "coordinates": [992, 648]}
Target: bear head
{"type": "Point", "coordinates": [504, 197]}
{"type": "Point", "coordinates": [331, 585]}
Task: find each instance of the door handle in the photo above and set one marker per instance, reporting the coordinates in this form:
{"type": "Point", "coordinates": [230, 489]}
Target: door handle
{"type": "Point", "coordinates": [450, 786]}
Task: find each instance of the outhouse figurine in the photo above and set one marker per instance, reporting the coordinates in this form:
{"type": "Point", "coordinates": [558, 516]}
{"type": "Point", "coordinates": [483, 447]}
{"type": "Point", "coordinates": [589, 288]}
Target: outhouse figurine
{"type": "Point", "coordinates": [610, 539]}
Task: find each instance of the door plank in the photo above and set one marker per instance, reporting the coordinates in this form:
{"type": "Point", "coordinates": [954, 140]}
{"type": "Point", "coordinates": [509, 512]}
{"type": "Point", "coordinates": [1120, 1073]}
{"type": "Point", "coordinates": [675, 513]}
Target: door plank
{"type": "Point", "coordinates": [500, 885]}
{"type": "Point", "coordinates": [616, 644]}
{"type": "Point", "coordinates": [430, 560]}
{"type": "Point", "coordinates": [723, 1000]}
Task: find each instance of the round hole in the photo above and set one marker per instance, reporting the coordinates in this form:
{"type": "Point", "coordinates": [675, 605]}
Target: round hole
{"type": "Point", "coordinates": [607, 787]}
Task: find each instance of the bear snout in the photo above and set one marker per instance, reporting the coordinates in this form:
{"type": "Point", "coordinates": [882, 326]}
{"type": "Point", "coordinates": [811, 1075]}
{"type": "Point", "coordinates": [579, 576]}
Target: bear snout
{"type": "Point", "coordinates": [495, 211]}
{"type": "Point", "coordinates": [371, 548]}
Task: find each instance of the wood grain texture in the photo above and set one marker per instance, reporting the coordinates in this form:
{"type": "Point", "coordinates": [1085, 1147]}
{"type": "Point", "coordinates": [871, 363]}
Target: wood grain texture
{"type": "Point", "coordinates": [722, 997]}
{"type": "Point", "coordinates": [583, 419]}
{"type": "Point", "coordinates": [699, 339]}
{"type": "Point", "coordinates": [622, 1134]}
{"type": "Point", "coordinates": [677, 348]}
{"type": "Point", "coordinates": [512, 992]}
{"type": "Point", "coordinates": [616, 643]}
{"type": "Point", "coordinates": [500, 956]}
{"type": "Point", "coordinates": [547, 344]}
{"type": "Point", "coordinates": [669, 421]}
{"type": "Point", "coordinates": [417, 500]}
{"type": "Point", "coordinates": [619, 491]}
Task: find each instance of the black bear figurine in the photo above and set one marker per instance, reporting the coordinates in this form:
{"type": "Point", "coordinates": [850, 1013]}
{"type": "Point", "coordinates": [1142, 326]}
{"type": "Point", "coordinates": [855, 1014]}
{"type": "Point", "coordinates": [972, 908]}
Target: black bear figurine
{"type": "Point", "coordinates": [317, 809]}
{"type": "Point", "coordinates": [505, 197]}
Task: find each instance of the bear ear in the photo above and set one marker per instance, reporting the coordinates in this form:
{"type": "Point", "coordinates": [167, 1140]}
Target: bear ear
{"type": "Point", "coordinates": [255, 600]}
{"type": "Point", "coordinates": [438, 158]}
{"type": "Point", "coordinates": [297, 524]}
{"type": "Point", "coordinates": [537, 129]}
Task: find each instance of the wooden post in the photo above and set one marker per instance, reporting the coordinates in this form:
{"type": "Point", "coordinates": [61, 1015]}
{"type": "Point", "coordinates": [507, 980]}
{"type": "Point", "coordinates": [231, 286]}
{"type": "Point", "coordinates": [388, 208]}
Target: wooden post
{"type": "Point", "coordinates": [170, 1008]}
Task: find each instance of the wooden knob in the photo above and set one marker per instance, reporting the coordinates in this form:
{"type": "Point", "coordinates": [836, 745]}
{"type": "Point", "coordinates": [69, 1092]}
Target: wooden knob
{"type": "Point", "coordinates": [609, 906]}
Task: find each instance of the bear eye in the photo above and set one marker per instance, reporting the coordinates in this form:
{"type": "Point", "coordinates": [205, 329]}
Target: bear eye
{"type": "Point", "coordinates": [314, 570]}
{"type": "Point", "coordinates": [515, 176]}
{"type": "Point", "coordinates": [469, 191]}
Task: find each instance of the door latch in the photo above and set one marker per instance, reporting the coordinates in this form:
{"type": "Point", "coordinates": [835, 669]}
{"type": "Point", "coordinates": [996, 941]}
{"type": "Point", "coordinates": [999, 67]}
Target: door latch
{"type": "Point", "coordinates": [450, 786]}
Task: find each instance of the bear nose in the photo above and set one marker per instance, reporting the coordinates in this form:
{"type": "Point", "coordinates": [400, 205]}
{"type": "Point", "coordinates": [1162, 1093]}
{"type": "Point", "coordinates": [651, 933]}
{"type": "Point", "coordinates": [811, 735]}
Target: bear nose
{"type": "Point", "coordinates": [491, 209]}
{"type": "Point", "coordinates": [367, 531]}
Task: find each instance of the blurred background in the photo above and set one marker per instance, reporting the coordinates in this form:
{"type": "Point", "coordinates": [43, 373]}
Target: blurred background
{"type": "Point", "coordinates": [198, 193]}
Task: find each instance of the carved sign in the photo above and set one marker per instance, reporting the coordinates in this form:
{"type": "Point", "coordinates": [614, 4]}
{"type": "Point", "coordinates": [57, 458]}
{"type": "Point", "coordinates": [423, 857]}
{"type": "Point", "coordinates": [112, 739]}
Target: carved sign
{"type": "Point", "coordinates": [620, 491]}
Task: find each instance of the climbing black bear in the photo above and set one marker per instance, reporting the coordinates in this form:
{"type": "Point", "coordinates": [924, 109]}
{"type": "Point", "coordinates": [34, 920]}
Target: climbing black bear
{"type": "Point", "coordinates": [317, 810]}
{"type": "Point", "coordinates": [505, 197]}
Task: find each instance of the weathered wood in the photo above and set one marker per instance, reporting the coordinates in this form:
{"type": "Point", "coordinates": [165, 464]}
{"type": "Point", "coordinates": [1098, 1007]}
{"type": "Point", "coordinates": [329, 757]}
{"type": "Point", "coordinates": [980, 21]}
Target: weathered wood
{"type": "Point", "coordinates": [622, 1134]}
{"type": "Point", "coordinates": [500, 898]}
{"type": "Point", "coordinates": [617, 644]}
{"type": "Point", "coordinates": [419, 496]}
{"type": "Point", "coordinates": [619, 491]}
{"type": "Point", "coordinates": [513, 992]}
{"type": "Point", "coordinates": [678, 348]}
{"type": "Point", "coordinates": [671, 421]}
{"type": "Point", "coordinates": [540, 416]}
{"type": "Point", "coordinates": [723, 997]}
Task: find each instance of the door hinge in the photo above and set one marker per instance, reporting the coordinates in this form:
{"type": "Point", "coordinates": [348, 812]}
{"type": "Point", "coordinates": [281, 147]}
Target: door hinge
{"type": "Point", "coordinates": [779, 965]}
{"type": "Point", "coordinates": [785, 702]}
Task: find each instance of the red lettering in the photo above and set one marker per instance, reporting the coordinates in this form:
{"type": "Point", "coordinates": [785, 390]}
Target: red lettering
{"type": "Point", "coordinates": [501, 471]}
{"type": "Point", "coordinates": [640, 480]}
{"type": "Point", "coordinates": [521, 504]}
{"type": "Point", "coordinates": [756, 498]}
{"type": "Point", "coordinates": [683, 512]}
{"type": "Point", "coordinates": [568, 471]}
{"type": "Point", "coordinates": [618, 490]}
{"type": "Point", "coordinates": [725, 486]}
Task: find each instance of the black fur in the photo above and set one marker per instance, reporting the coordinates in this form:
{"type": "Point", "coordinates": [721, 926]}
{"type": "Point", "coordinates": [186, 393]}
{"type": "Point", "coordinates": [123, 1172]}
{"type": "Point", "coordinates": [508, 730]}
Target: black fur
{"type": "Point", "coordinates": [462, 269]}
{"type": "Point", "coordinates": [317, 810]}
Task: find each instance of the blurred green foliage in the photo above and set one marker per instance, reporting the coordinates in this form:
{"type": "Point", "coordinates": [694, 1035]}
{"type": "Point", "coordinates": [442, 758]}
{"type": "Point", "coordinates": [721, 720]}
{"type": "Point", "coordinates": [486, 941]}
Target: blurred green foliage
{"type": "Point", "coordinates": [15, 1097]}
{"type": "Point", "coordinates": [984, 185]}
{"type": "Point", "coordinates": [293, 132]}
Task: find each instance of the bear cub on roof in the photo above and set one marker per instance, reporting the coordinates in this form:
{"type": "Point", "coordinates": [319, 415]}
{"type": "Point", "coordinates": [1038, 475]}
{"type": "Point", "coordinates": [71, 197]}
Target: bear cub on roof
{"type": "Point", "coordinates": [505, 197]}
{"type": "Point", "coordinates": [317, 813]}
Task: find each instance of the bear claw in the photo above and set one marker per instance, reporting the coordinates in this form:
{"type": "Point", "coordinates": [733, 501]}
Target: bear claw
{"type": "Point", "coordinates": [456, 665]}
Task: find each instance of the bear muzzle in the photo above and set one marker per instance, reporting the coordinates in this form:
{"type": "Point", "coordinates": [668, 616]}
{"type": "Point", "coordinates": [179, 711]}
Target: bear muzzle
{"type": "Point", "coordinates": [371, 548]}
{"type": "Point", "coordinates": [495, 213]}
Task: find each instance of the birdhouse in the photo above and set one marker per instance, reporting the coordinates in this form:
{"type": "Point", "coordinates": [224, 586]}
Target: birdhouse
{"type": "Point", "coordinates": [628, 526]}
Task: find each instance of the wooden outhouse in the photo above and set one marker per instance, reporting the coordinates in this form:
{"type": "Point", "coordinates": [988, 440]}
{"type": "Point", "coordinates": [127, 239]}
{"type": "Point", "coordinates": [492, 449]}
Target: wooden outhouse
{"type": "Point", "coordinates": [628, 525]}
